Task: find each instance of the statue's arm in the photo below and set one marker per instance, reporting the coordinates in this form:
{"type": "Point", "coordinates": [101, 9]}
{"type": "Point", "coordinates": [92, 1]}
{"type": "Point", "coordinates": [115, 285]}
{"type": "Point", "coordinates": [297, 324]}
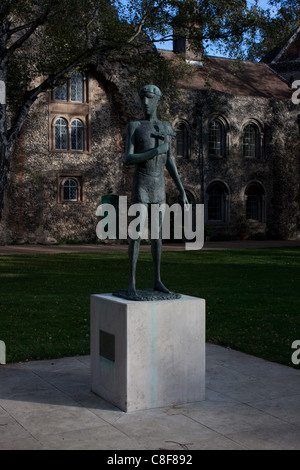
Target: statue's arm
{"type": "Point", "coordinates": [172, 169]}
{"type": "Point", "coordinates": [131, 157]}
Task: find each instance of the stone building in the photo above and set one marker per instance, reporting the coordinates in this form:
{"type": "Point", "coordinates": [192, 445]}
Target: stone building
{"type": "Point", "coordinates": [241, 156]}
{"type": "Point", "coordinates": [236, 149]}
{"type": "Point", "coordinates": [69, 155]}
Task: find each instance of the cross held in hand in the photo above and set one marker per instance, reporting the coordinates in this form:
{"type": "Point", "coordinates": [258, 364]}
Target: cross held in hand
{"type": "Point", "coordinates": [159, 136]}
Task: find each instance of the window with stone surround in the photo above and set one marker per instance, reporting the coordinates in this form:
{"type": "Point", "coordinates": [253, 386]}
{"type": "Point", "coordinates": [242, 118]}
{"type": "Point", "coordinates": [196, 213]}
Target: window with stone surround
{"type": "Point", "coordinates": [61, 93]}
{"type": "Point", "coordinates": [217, 138]}
{"type": "Point", "coordinates": [61, 134]}
{"type": "Point", "coordinates": [252, 140]}
{"type": "Point", "coordinates": [72, 90]}
{"type": "Point", "coordinates": [69, 136]}
{"type": "Point", "coordinates": [183, 139]}
{"type": "Point", "coordinates": [77, 135]}
{"type": "Point", "coordinates": [70, 188]}
{"type": "Point", "coordinates": [69, 116]}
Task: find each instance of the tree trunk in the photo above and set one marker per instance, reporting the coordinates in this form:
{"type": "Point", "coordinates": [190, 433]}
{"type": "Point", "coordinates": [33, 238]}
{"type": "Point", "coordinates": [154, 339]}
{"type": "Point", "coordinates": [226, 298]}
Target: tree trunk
{"type": "Point", "coordinates": [3, 175]}
{"type": "Point", "coordinates": [4, 149]}
{"type": "Point", "coordinates": [4, 155]}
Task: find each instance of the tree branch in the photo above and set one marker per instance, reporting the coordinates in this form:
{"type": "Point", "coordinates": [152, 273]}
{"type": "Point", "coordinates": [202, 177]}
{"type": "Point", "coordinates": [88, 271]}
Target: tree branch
{"type": "Point", "coordinates": [15, 30]}
{"type": "Point", "coordinates": [140, 25]}
{"type": "Point", "coordinates": [34, 25]}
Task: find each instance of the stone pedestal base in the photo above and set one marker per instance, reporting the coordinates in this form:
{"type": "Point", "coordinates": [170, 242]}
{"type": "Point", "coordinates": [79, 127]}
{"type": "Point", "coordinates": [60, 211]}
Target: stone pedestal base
{"type": "Point", "coordinates": [148, 354]}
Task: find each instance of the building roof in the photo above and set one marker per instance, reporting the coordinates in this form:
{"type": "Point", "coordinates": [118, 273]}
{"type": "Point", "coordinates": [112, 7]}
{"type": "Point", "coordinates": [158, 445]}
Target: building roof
{"type": "Point", "coordinates": [235, 77]}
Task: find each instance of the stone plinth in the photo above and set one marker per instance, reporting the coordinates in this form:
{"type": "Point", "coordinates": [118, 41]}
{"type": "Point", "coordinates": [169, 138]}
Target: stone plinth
{"type": "Point", "coordinates": [148, 354]}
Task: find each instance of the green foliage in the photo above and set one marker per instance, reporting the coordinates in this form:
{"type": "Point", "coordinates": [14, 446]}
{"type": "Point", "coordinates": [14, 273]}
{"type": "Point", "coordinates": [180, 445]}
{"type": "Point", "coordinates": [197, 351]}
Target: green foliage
{"type": "Point", "coordinates": [48, 39]}
{"type": "Point", "coordinates": [61, 37]}
{"type": "Point", "coordinates": [274, 27]}
{"type": "Point", "coordinates": [232, 26]}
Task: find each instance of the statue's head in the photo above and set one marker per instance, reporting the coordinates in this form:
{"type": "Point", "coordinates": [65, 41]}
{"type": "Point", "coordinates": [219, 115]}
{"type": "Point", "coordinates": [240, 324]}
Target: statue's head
{"type": "Point", "coordinates": [150, 96]}
{"type": "Point", "coordinates": [150, 89]}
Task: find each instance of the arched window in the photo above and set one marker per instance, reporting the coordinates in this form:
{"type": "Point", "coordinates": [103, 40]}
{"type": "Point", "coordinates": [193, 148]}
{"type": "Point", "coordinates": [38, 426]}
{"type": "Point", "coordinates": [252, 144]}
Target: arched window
{"type": "Point", "coordinates": [70, 190]}
{"type": "Point", "coordinates": [217, 199]}
{"type": "Point", "coordinates": [71, 90]}
{"type": "Point", "coordinates": [255, 202]}
{"type": "Point", "coordinates": [217, 137]}
{"type": "Point", "coordinates": [182, 140]}
{"type": "Point", "coordinates": [61, 93]}
{"type": "Point", "coordinates": [76, 87]}
{"type": "Point", "coordinates": [251, 141]}
{"type": "Point", "coordinates": [77, 139]}
{"type": "Point", "coordinates": [68, 138]}
{"type": "Point", "coordinates": [61, 134]}
{"type": "Point", "coordinates": [69, 116]}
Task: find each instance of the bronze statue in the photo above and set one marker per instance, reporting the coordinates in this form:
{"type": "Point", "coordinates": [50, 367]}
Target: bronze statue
{"type": "Point", "coordinates": [148, 148]}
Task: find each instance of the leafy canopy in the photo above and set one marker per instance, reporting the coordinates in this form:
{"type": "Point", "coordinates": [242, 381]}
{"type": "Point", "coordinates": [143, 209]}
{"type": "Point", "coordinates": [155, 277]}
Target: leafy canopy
{"type": "Point", "coordinates": [277, 24]}
{"type": "Point", "coordinates": [41, 41]}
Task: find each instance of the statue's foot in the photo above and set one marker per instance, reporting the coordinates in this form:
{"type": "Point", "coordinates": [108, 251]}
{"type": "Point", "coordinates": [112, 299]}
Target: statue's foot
{"type": "Point", "coordinates": [161, 287]}
{"type": "Point", "coordinates": [132, 293]}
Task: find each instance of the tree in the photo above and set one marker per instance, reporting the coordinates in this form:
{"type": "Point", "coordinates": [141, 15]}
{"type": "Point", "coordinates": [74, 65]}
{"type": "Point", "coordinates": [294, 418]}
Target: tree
{"type": "Point", "coordinates": [41, 41]}
{"type": "Point", "coordinates": [278, 23]}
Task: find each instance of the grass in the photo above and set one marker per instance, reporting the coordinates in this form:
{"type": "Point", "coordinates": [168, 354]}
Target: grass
{"type": "Point", "coordinates": [252, 298]}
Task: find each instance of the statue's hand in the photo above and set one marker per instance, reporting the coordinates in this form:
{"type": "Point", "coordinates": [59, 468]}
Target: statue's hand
{"type": "Point", "coordinates": [163, 148]}
{"type": "Point", "coordinates": [186, 203]}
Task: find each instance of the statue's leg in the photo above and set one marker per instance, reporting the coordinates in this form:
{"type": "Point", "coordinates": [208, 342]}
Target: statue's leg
{"type": "Point", "coordinates": [134, 248]}
{"type": "Point", "coordinates": [133, 253]}
{"type": "Point", "coordinates": [156, 249]}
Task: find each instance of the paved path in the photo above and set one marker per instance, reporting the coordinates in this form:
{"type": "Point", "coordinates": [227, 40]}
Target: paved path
{"type": "Point", "coordinates": [44, 249]}
{"type": "Point", "coordinates": [250, 404]}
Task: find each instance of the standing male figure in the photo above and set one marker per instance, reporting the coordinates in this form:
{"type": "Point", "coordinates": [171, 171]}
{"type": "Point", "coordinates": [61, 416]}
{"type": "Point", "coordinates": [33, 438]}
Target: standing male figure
{"type": "Point", "coordinates": [148, 148]}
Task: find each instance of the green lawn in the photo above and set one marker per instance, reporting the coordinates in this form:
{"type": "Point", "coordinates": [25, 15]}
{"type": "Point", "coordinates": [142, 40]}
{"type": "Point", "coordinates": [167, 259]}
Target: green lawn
{"type": "Point", "coordinates": [252, 298]}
